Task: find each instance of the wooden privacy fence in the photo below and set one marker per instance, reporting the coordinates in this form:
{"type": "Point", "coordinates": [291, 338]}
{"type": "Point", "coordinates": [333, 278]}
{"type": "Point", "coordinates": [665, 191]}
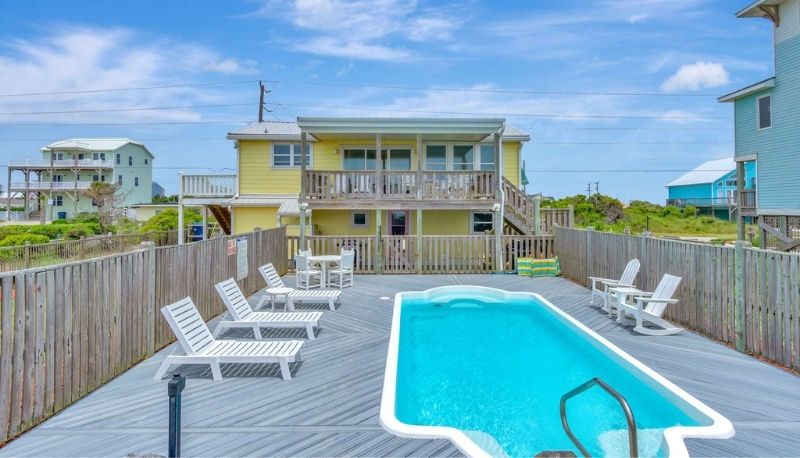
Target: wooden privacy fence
{"type": "Point", "coordinates": [400, 254]}
{"type": "Point", "coordinates": [742, 296]}
{"type": "Point", "coordinates": [44, 254]}
{"type": "Point", "coordinates": [68, 329]}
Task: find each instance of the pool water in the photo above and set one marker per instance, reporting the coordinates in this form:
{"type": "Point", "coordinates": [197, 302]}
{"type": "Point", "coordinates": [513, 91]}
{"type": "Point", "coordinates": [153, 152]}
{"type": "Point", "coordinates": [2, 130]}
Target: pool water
{"type": "Point", "coordinates": [496, 369]}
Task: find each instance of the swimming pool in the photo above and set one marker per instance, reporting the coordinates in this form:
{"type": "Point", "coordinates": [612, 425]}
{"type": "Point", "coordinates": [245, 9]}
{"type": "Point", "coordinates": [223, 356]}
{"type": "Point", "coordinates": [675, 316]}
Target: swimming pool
{"type": "Point", "coordinates": [487, 368]}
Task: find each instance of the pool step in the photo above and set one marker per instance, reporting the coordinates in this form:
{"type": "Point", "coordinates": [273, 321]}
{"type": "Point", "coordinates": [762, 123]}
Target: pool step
{"type": "Point", "coordinates": [556, 454]}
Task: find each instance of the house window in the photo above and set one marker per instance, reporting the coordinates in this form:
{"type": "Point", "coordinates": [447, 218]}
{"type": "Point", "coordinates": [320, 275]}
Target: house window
{"type": "Point", "coordinates": [288, 155]}
{"type": "Point", "coordinates": [58, 178]}
{"type": "Point", "coordinates": [486, 157]}
{"type": "Point", "coordinates": [136, 181]}
{"type": "Point", "coordinates": [119, 158]}
{"type": "Point", "coordinates": [463, 157]}
{"type": "Point", "coordinates": [146, 161]}
{"type": "Point", "coordinates": [435, 157]}
{"type": "Point", "coordinates": [77, 177]}
{"type": "Point", "coordinates": [481, 222]}
{"type": "Point", "coordinates": [130, 161]}
{"type": "Point", "coordinates": [58, 201]}
{"type": "Point", "coordinates": [359, 159]}
{"type": "Point", "coordinates": [80, 157]}
{"type": "Point", "coordinates": [119, 180]}
{"type": "Point", "coordinates": [360, 219]}
{"type": "Point", "coordinates": [99, 156]}
{"type": "Point", "coordinates": [765, 112]}
{"type": "Point", "coordinates": [58, 156]}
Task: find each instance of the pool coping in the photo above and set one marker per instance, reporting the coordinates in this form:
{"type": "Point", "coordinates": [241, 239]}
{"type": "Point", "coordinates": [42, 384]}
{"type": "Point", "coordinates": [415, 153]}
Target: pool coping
{"type": "Point", "coordinates": [720, 428]}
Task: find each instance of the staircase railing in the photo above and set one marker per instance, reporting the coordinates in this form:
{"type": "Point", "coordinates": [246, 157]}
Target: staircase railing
{"type": "Point", "coordinates": [518, 204]}
{"type": "Point", "coordinates": [632, 437]}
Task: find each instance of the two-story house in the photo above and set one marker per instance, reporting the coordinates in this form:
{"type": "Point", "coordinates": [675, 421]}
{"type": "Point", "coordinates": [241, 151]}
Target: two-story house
{"type": "Point", "coordinates": [68, 168]}
{"type": "Point", "coordinates": [711, 187]}
{"type": "Point", "coordinates": [767, 126]}
{"type": "Point", "coordinates": [371, 176]}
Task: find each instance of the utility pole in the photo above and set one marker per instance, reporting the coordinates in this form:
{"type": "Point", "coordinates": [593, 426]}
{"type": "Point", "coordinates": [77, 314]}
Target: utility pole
{"type": "Point", "coordinates": [589, 189]}
{"type": "Point", "coordinates": [596, 187]}
{"type": "Point", "coordinates": [260, 101]}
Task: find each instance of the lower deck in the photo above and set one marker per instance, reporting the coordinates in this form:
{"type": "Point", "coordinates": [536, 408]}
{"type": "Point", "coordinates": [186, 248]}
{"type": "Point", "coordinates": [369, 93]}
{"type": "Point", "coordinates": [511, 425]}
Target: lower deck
{"type": "Point", "coordinates": [331, 406]}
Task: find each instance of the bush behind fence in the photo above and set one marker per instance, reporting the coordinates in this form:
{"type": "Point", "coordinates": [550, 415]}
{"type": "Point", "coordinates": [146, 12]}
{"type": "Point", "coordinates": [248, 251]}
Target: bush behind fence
{"type": "Point", "coordinates": [745, 297]}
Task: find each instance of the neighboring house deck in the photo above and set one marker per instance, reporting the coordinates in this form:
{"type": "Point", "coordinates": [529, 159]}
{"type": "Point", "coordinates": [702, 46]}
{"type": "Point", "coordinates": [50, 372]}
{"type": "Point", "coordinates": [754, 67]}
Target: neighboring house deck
{"type": "Point", "coordinates": [711, 188]}
{"type": "Point", "coordinates": [331, 406]}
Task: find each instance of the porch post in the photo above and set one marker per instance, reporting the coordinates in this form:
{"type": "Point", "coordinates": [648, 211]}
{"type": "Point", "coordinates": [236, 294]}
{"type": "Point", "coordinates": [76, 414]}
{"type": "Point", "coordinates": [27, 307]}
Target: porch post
{"type": "Point", "coordinates": [204, 233]}
{"type": "Point", "coordinates": [420, 165]}
{"type": "Point", "coordinates": [303, 146]}
{"type": "Point", "coordinates": [303, 207]}
{"type": "Point", "coordinates": [378, 247]}
{"type": "Point", "coordinates": [419, 240]}
{"type": "Point", "coordinates": [180, 209]}
{"type": "Point", "coordinates": [498, 213]}
{"type": "Point", "coordinates": [378, 183]}
{"type": "Point", "coordinates": [740, 200]}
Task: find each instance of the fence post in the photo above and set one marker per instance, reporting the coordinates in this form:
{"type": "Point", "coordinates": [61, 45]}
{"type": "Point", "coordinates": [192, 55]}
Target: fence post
{"type": "Point", "coordinates": [738, 293]}
{"type": "Point", "coordinates": [150, 328]}
{"type": "Point", "coordinates": [589, 234]}
{"type": "Point", "coordinates": [643, 259]}
{"type": "Point", "coordinates": [26, 255]}
{"type": "Point", "coordinates": [537, 216]}
{"type": "Point", "coordinates": [571, 216]}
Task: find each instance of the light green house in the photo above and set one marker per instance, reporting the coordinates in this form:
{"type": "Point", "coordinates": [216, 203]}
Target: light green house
{"type": "Point", "coordinates": [68, 168]}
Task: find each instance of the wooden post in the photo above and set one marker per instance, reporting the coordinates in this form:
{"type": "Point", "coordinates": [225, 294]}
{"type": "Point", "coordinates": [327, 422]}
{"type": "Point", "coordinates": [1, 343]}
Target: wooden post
{"type": "Point", "coordinates": [378, 182]}
{"type": "Point", "coordinates": [740, 200]}
{"type": "Point", "coordinates": [497, 225]}
{"type": "Point", "coordinates": [181, 233]}
{"type": "Point", "coordinates": [204, 234]}
{"type": "Point", "coordinates": [26, 255]}
{"type": "Point", "coordinates": [499, 263]}
{"type": "Point", "coordinates": [303, 177]}
{"type": "Point", "coordinates": [589, 234]}
{"type": "Point", "coordinates": [378, 247]}
{"type": "Point", "coordinates": [571, 216]}
{"type": "Point", "coordinates": [419, 240]}
{"type": "Point", "coordinates": [150, 327]}
{"type": "Point", "coordinates": [738, 293]}
{"type": "Point", "coordinates": [420, 166]}
{"type": "Point", "coordinates": [643, 260]}
{"type": "Point", "coordinates": [302, 240]}
{"type": "Point", "coordinates": [537, 215]}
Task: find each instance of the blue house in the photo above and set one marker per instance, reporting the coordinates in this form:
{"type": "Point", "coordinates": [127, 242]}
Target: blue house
{"type": "Point", "coordinates": [767, 126]}
{"type": "Point", "coordinates": [711, 187]}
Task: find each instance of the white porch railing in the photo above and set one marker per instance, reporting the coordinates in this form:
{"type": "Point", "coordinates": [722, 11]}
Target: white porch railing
{"type": "Point", "coordinates": [65, 163]}
{"type": "Point", "coordinates": [47, 185]}
{"type": "Point", "coordinates": [208, 185]}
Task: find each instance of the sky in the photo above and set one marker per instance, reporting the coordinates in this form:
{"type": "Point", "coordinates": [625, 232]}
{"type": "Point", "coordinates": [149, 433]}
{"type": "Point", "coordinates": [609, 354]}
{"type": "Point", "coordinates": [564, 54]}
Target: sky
{"type": "Point", "coordinates": [618, 92]}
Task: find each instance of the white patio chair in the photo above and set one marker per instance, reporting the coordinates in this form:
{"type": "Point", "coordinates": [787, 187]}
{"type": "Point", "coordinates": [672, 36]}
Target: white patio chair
{"type": "Point", "coordinates": [600, 286]}
{"type": "Point", "coordinates": [649, 307]}
{"type": "Point", "coordinates": [320, 296]}
{"type": "Point", "coordinates": [200, 346]}
{"type": "Point", "coordinates": [243, 316]}
{"type": "Point", "coordinates": [305, 275]}
{"type": "Point", "coordinates": [343, 274]}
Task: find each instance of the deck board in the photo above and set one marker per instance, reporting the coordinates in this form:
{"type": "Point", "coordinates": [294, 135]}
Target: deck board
{"type": "Point", "coordinates": [331, 407]}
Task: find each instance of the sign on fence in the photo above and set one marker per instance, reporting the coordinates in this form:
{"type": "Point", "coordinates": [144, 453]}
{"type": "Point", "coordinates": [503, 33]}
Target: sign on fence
{"type": "Point", "coordinates": [241, 257]}
{"type": "Point", "coordinates": [231, 247]}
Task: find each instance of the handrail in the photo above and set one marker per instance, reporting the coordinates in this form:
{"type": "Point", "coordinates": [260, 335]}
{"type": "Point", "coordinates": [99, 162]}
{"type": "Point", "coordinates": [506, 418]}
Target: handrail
{"type": "Point", "coordinates": [632, 438]}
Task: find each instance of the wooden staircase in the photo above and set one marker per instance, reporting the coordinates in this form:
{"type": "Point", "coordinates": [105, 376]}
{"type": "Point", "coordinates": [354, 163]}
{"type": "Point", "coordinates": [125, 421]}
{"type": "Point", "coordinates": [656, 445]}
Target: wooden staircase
{"type": "Point", "coordinates": [519, 209]}
{"type": "Point", "coordinates": [223, 217]}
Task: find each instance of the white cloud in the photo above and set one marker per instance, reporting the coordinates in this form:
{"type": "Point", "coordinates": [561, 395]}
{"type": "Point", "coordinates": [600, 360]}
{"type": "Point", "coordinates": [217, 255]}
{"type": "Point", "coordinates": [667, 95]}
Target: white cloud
{"type": "Point", "coordinates": [77, 58]}
{"type": "Point", "coordinates": [637, 18]}
{"type": "Point", "coordinates": [700, 75]}
{"type": "Point", "coordinates": [361, 29]}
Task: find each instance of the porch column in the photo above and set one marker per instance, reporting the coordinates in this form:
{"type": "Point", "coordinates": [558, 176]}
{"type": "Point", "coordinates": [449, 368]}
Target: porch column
{"type": "Point", "coordinates": [180, 209]}
{"type": "Point", "coordinates": [420, 165]}
{"type": "Point", "coordinates": [204, 233]}
{"type": "Point", "coordinates": [378, 254]}
{"type": "Point", "coordinates": [303, 146]}
{"type": "Point", "coordinates": [740, 200]}
{"type": "Point", "coordinates": [419, 240]}
{"type": "Point", "coordinates": [378, 183]}
{"type": "Point", "coordinates": [499, 207]}
{"type": "Point", "coordinates": [303, 208]}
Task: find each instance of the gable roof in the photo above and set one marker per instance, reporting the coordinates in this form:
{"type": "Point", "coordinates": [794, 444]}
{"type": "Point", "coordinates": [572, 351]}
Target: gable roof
{"type": "Point", "coordinates": [752, 89]}
{"type": "Point", "coordinates": [93, 144]}
{"type": "Point", "coordinates": [707, 172]}
{"type": "Point", "coordinates": [289, 130]}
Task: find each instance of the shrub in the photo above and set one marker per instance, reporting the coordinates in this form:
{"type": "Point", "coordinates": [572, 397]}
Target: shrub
{"type": "Point", "coordinates": [20, 239]}
{"type": "Point", "coordinates": [168, 220]}
{"type": "Point", "coordinates": [76, 231]}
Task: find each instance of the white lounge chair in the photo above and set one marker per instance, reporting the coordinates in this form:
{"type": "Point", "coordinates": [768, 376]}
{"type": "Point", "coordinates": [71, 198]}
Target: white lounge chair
{"type": "Point", "coordinates": [343, 274]}
{"type": "Point", "coordinates": [274, 282]}
{"type": "Point", "coordinates": [243, 316]}
{"type": "Point", "coordinates": [306, 277]}
{"type": "Point", "coordinates": [600, 286]}
{"type": "Point", "coordinates": [200, 347]}
{"type": "Point", "coordinates": [649, 307]}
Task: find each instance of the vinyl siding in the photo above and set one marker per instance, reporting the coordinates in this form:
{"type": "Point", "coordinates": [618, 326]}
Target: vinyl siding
{"type": "Point", "coordinates": [245, 219]}
{"type": "Point", "coordinates": [691, 191]}
{"type": "Point", "coordinates": [790, 21]}
{"type": "Point", "coordinates": [257, 176]}
{"type": "Point", "coordinates": [777, 148]}
{"type": "Point", "coordinates": [434, 222]}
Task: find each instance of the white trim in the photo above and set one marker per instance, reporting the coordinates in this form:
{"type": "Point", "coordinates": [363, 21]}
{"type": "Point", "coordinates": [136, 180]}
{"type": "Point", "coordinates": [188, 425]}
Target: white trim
{"type": "Point", "coordinates": [476, 160]}
{"type": "Point", "coordinates": [758, 111]}
{"type": "Point", "coordinates": [733, 96]}
{"type": "Point", "coordinates": [746, 157]}
{"type": "Point", "coordinates": [352, 219]}
{"type": "Point", "coordinates": [721, 427]}
{"type": "Point", "coordinates": [291, 165]}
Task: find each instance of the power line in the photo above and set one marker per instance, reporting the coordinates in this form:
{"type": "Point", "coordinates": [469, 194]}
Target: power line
{"type": "Point", "coordinates": [521, 115]}
{"type": "Point", "coordinates": [125, 89]}
{"type": "Point", "coordinates": [144, 123]}
{"type": "Point", "coordinates": [115, 110]}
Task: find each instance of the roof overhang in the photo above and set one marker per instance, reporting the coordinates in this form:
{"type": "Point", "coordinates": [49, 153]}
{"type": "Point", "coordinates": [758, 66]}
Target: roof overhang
{"type": "Point", "coordinates": [749, 90]}
{"type": "Point", "coordinates": [467, 129]}
{"type": "Point", "coordinates": [767, 9]}
{"type": "Point", "coordinates": [273, 137]}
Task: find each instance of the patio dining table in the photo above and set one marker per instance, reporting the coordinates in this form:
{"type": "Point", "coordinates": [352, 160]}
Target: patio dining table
{"type": "Point", "coordinates": [323, 261]}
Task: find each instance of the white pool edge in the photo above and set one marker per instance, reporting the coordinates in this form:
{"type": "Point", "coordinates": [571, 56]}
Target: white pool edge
{"type": "Point", "coordinates": [720, 428]}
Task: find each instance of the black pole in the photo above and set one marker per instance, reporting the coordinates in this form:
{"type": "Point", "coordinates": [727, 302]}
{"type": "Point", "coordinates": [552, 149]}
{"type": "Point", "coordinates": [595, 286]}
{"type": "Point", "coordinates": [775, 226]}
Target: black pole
{"type": "Point", "coordinates": [176, 384]}
{"type": "Point", "coordinates": [260, 101]}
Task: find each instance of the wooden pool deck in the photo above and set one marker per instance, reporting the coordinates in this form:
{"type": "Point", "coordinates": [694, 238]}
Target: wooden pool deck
{"type": "Point", "coordinates": [331, 406]}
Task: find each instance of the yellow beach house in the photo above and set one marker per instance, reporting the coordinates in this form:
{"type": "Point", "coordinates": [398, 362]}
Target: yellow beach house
{"type": "Point", "coordinates": [323, 176]}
